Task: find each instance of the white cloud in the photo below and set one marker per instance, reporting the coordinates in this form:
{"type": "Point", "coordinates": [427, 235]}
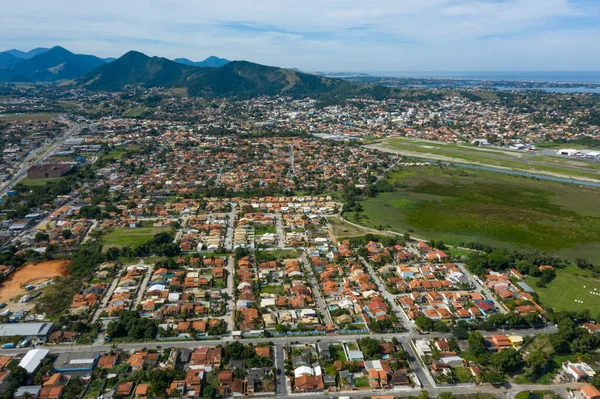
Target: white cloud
{"type": "Point", "coordinates": [320, 34]}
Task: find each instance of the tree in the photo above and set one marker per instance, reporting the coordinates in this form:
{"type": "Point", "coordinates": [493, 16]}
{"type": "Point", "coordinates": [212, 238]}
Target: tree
{"type": "Point", "coordinates": [363, 252]}
{"type": "Point", "coordinates": [40, 236]}
{"type": "Point", "coordinates": [495, 378]}
{"type": "Point", "coordinates": [506, 360]}
{"type": "Point", "coordinates": [424, 322]}
{"type": "Point", "coordinates": [369, 347]}
{"type": "Point", "coordinates": [477, 345]}
{"type": "Point", "coordinates": [460, 332]}
{"type": "Point", "coordinates": [537, 361]}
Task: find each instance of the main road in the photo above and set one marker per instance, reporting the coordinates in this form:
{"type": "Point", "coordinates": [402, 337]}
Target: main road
{"type": "Point", "coordinates": [73, 128]}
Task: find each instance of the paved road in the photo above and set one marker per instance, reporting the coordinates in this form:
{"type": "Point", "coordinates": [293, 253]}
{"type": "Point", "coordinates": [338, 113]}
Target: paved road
{"type": "Point", "coordinates": [230, 228]}
{"type": "Point", "coordinates": [279, 231]}
{"type": "Point", "coordinates": [230, 293]}
{"type": "Point", "coordinates": [485, 289]}
{"type": "Point", "coordinates": [386, 294]}
{"type": "Point", "coordinates": [315, 287]}
{"type": "Point", "coordinates": [144, 284]}
{"type": "Point", "coordinates": [404, 338]}
{"type": "Point", "coordinates": [105, 298]}
{"type": "Point", "coordinates": [73, 128]}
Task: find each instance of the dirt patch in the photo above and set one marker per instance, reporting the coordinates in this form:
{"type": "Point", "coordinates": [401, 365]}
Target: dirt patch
{"type": "Point", "coordinates": [31, 274]}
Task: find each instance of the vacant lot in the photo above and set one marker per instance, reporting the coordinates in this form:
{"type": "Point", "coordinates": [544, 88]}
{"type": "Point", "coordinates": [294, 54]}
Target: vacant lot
{"type": "Point", "coordinates": [343, 229]}
{"type": "Point", "coordinates": [260, 230]}
{"type": "Point", "coordinates": [272, 289]}
{"type": "Point", "coordinates": [134, 237]}
{"type": "Point", "coordinates": [566, 290]}
{"type": "Point", "coordinates": [32, 274]}
{"type": "Point", "coordinates": [135, 112]}
{"type": "Point", "coordinates": [39, 182]}
{"type": "Point", "coordinates": [459, 205]}
{"type": "Point", "coordinates": [41, 117]}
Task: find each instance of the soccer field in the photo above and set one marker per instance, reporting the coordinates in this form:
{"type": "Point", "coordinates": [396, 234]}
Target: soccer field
{"type": "Point", "coordinates": [570, 292]}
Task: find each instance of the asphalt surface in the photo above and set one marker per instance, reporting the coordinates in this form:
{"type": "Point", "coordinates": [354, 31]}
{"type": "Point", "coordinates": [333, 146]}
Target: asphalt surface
{"type": "Point", "coordinates": [74, 128]}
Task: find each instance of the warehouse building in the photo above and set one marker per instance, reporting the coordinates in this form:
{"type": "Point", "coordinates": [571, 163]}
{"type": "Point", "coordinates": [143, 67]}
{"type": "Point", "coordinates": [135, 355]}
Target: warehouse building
{"type": "Point", "coordinates": [33, 331]}
{"type": "Point", "coordinates": [32, 359]}
{"type": "Point", "coordinates": [76, 363]}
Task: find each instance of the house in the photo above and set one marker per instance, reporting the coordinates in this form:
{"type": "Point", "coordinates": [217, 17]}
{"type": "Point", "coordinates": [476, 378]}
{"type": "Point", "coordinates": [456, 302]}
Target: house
{"type": "Point", "coordinates": [141, 390]}
{"type": "Point", "coordinates": [107, 361]}
{"type": "Point", "coordinates": [399, 379]}
{"type": "Point", "coordinates": [51, 392]}
{"type": "Point", "coordinates": [30, 391]}
{"type": "Point", "coordinates": [578, 371]}
{"type": "Point", "coordinates": [125, 388]}
{"type": "Point", "coordinates": [585, 392]}
{"type": "Point", "coordinates": [592, 328]}
{"type": "Point", "coordinates": [500, 341]}
{"type": "Point", "coordinates": [306, 383]}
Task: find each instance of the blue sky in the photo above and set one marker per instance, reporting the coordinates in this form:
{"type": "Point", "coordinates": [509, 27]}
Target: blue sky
{"type": "Point", "coordinates": [322, 35]}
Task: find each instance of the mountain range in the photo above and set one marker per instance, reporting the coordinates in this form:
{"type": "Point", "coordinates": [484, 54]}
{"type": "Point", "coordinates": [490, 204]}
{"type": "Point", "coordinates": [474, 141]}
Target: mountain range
{"type": "Point", "coordinates": [239, 79]}
{"type": "Point", "coordinates": [213, 77]}
{"type": "Point", "coordinates": [45, 65]}
{"type": "Point", "coordinates": [211, 62]}
{"type": "Point", "coordinates": [56, 64]}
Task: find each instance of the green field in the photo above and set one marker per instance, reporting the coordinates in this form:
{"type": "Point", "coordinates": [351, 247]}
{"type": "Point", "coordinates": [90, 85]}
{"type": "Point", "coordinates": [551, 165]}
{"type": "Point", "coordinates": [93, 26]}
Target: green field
{"type": "Point", "coordinates": [565, 289]}
{"type": "Point", "coordinates": [362, 382]}
{"type": "Point", "coordinates": [260, 230]}
{"type": "Point", "coordinates": [278, 254]}
{"type": "Point", "coordinates": [137, 111]}
{"type": "Point", "coordinates": [134, 237]}
{"type": "Point", "coordinates": [461, 205]}
{"type": "Point", "coordinates": [40, 117]}
{"type": "Point", "coordinates": [116, 153]}
{"type": "Point", "coordinates": [272, 289]}
{"type": "Point", "coordinates": [38, 182]}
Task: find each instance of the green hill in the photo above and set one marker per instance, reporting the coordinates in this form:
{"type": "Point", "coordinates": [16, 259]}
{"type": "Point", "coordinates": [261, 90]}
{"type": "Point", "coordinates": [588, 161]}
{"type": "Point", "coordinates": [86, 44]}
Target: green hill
{"type": "Point", "coordinates": [239, 79]}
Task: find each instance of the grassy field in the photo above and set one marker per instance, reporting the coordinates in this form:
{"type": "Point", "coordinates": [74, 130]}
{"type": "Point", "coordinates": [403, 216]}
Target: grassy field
{"type": "Point", "coordinates": [116, 153]}
{"type": "Point", "coordinates": [566, 288]}
{"type": "Point", "coordinates": [337, 353]}
{"type": "Point", "coordinates": [342, 229]}
{"type": "Point", "coordinates": [259, 230]}
{"type": "Point", "coordinates": [362, 382]}
{"type": "Point", "coordinates": [134, 237]}
{"type": "Point", "coordinates": [462, 375]}
{"type": "Point", "coordinates": [278, 254]}
{"type": "Point", "coordinates": [137, 111]}
{"type": "Point", "coordinates": [492, 157]}
{"type": "Point", "coordinates": [40, 117]}
{"type": "Point", "coordinates": [536, 395]}
{"type": "Point", "coordinates": [38, 182]}
{"type": "Point", "coordinates": [460, 205]}
{"type": "Point", "coordinates": [272, 289]}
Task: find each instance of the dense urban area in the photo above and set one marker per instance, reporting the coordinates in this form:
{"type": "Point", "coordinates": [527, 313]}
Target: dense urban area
{"type": "Point", "coordinates": [435, 243]}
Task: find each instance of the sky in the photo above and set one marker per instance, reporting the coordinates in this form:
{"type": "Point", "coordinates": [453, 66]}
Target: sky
{"type": "Point", "coordinates": [322, 35]}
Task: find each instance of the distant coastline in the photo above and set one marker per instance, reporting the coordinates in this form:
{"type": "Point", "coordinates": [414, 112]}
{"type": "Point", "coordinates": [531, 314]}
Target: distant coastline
{"type": "Point", "coordinates": [524, 76]}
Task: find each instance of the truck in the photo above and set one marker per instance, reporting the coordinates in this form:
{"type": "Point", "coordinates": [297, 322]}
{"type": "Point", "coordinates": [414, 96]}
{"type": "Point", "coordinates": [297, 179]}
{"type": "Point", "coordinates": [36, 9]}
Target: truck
{"type": "Point", "coordinates": [8, 346]}
{"type": "Point", "coordinates": [24, 343]}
